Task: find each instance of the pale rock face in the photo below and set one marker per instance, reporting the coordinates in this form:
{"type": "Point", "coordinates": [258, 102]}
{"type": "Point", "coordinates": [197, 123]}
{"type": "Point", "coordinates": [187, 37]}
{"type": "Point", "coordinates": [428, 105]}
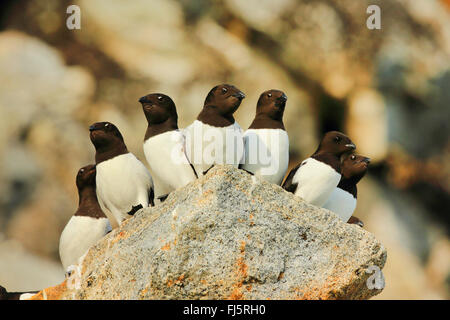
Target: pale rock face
{"type": "Point", "coordinates": [230, 235]}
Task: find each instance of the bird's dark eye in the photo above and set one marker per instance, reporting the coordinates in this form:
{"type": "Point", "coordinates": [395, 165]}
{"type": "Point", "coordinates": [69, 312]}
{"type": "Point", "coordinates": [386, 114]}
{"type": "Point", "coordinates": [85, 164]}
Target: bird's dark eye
{"type": "Point", "coordinates": [224, 90]}
{"type": "Point", "coordinates": [353, 157]}
{"type": "Point", "coordinates": [337, 139]}
{"type": "Point", "coordinates": [269, 95]}
{"type": "Point", "coordinates": [106, 125]}
{"type": "Point", "coordinates": [160, 98]}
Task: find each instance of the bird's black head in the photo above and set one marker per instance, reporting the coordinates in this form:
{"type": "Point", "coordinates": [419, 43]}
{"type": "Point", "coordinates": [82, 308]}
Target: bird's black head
{"type": "Point", "coordinates": [272, 103]}
{"type": "Point", "coordinates": [86, 177]}
{"type": "Point", "coordinates": [337, 143]}
{"type": "Point", "coordinates": [354, 167]}
{"type": "Point", "coordinates": [225, 97]}
{"type": "Point", "coordinates": [158, 108]}
{"type": "Point", "coordinates": [104, 135]}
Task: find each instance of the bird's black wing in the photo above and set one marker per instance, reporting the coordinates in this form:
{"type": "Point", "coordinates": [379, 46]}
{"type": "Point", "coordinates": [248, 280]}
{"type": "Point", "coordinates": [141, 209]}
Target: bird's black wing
{"type": "Point", "coordinates": [151, 197]}
{"type": "Point", "coordinates": [288, 185]}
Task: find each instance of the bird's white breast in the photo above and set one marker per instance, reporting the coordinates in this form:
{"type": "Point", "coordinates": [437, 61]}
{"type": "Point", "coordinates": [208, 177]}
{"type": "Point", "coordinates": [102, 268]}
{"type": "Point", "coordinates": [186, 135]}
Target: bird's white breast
{"type": "Point", "coordinates": [80, 233]}
{"type": "Point", "coordinates": [267, 153]}
{"type": "Point", "coordinates": [166, 157]}
{"type": "Point", "coordinates": [207, 145]}
{"type": "Point", "coordinates": [123, 182]}
{"type": "Point", "coordinates": [342, 203]}
{"type": "Point", "coordinates": [316, 180]}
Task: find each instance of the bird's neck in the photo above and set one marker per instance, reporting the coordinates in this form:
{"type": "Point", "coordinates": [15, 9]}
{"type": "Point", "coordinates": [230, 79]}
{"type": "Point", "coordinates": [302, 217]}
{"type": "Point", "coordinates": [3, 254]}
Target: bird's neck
{"type": "Point", "coordinates": [210, 115]}
{"type": "Point", "coordinates": [104, 153]}
{"type": "Point", "coordinates": [328, 158]}
{"type": "Point", "coordinates": [263, 121]}
{"type": "Point", "coordinates": [349, 186]}
{"type": "Point", "coordinates": [88, 203]}
{"type": "Point", "coordinates": [157, 128]}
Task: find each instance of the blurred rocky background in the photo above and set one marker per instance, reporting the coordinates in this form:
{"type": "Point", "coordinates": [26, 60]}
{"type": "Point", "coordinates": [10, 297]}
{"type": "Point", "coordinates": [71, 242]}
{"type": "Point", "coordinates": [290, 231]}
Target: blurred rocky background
{"type": "Point", "coordinates": [388, 89]}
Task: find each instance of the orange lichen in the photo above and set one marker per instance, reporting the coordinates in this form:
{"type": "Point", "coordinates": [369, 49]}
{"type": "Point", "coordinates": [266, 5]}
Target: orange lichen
{"type": "Point", "coordinates": [177, 281]}
{"type": "Point", "coordinates": [166, 246]}
{"type": "Point", "coordinates": [52, 293]}
{"type": "Point", "coordinates": [143, 292]}
{"type": "Point", "coordinates": [241, 275]}
{"type": "Point", "coordinates": [120, 236]}
{"type": "Point", "coordinates": [242, 248]}
{"type": "Point", "coordinates": [322, 291]}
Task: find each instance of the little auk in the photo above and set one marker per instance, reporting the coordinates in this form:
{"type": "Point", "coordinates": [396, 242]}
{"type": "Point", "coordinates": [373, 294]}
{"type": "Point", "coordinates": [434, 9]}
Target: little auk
{"type": "Point", "coordinates": [164, 145]}
{"type": "Point", "coordinates": [215, 137]}
{"type": "Point", "coordinates": [124, 184]}
{"type": "Point", "coordinates": [266, 140]}
{"type": "Point", "coordinates": [317, 176]}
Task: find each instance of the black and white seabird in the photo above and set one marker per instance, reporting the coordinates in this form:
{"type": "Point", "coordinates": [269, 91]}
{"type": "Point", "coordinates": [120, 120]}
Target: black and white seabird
{"type": "Point", "coordinates": [5, 295]}
{"type": "Point", "coordinates": [266, 140]}
{"type": "Point", "coordinates": [215, 137]}
{"type": "Point", "coordinates": [342, 200]}
{"type": "Point", "coordinates": [316, 177]}
{"type": "Point", "coordinates": [88, 225]}
{"type": "Point", "coordinates": [124, 184]}
{"type": "Point", "coordinates": [164, 145]}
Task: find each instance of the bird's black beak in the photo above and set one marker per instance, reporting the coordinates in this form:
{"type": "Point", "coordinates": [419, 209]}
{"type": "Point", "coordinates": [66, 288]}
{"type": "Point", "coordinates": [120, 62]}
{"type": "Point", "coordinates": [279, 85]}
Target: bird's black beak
{"type": "Point", "coordinates": [281, 101]}
{"type": "Point", "coordinates": [351, 146]}
{"type": "Point", "coordinates": [142, 99]}
{"type": "Point", "coordinates": [240, 95]}
{"type": "Point", "coordinates": [367, 160]}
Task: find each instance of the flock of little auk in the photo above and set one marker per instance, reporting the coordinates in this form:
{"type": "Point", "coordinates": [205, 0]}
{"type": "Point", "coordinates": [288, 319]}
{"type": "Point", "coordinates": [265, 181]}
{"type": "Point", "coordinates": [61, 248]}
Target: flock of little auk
{"type": "Point", "coordinates": [118, 185]}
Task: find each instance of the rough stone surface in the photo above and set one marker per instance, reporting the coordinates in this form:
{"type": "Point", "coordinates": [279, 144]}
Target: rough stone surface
{"type": "Point", "coordinates": [229, 235]}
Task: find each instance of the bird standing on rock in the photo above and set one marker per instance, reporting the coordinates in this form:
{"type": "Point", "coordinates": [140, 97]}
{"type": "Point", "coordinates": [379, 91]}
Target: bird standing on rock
{"type": "Point", "coordinates": [266, 140]}
{"type": "Point", "coordinates": [215, 137]}
{"type": "Point", "coordinates": [315, 178]}
{"type": "Point", "coordinates": [164, 145]}
{"type": "Point", "coordinates": [342, 200]}
{"type": "Point", "coordinates": [124, 184]}
{"type": "Point", "coordinates": [88, 225]}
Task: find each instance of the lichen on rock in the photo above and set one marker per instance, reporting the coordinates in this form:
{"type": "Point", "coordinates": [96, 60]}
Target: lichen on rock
{"type": "Point", "coordinates": [230, 235]}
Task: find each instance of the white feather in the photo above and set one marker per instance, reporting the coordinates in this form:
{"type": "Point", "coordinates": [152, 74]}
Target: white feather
{"type": "Point", "coordinates": [267, 153]}
{"type": "Point", "coordinates": [80, 233]}
{"type": "Point", "coordinates": [342, 203]}
{"type": "Point", "coordinates": [167, 160]}
{"type": "Point", "coordinates": [122, 182]}
{"type": "Point", "coordinates": [316, 180]}
{"type": "Point", "coordinates": [208, 145]}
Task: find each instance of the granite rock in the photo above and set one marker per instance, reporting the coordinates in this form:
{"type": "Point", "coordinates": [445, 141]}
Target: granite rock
{"type": "Point", "coordinates": [229, 235]}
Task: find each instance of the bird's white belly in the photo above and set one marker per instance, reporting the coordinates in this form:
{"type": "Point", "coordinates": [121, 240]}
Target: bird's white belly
{"type": "Point", "coordinates": [167, 160]}
{"type": "Point", "coordinates": [207, 145]}
{"type": "Point", "coordinates": [316, 180]}
{"type": "Point", "coordinates": [80, 233]}
{"type": "Point", "coordinates": [342, 203]}
{"type": "Point", "coordinates": [123, 182]}
{"type": "Point", "coordinates": [267, 153]}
